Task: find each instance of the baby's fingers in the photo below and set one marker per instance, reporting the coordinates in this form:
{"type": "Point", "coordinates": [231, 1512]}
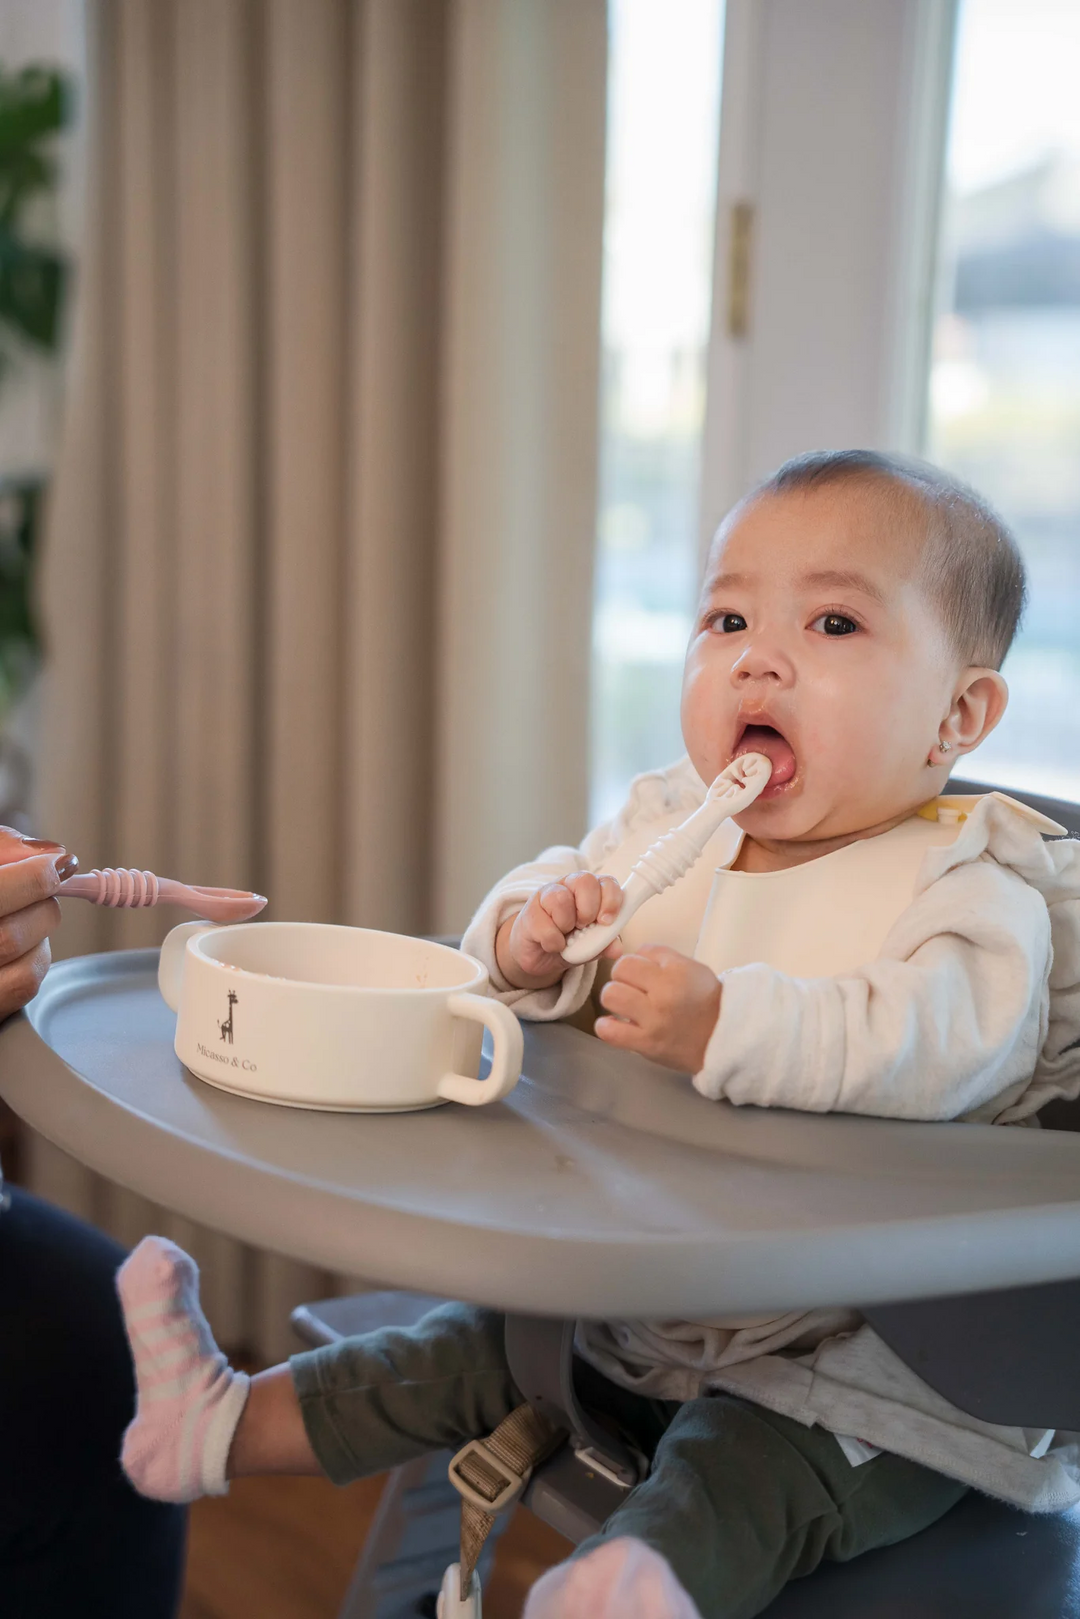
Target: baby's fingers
{"type": "Point", "coordinates": [615, 1032]}
{"type": "Point", "coordinates": [635, 969]}
{"type": "Point", "coordinates": [587, 894]}
{"type": "Point", "coordinates": [611, 897]}
{"type": "Point", "coordinates": [556, 913]}
{"type": "Point", "coordinates": [624, 1000]}
{"type": "Point", "coordinates": [541, 933]}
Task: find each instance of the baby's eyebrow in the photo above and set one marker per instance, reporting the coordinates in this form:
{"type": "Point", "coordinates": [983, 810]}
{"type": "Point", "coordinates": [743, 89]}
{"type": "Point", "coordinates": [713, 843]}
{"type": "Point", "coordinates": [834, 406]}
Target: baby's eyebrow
{"type": "Point", "coordinates": [827, 579]}
{"type": "Point", "coordinates": [724, 581]}
{"type": "Point", "coordinates": [842, 579]}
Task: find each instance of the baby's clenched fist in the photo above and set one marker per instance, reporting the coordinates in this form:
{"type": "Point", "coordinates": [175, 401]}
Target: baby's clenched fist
{"type": "Point", "coordinates": [663, 1005]}
{"type": "Point", "coordinates": [529, 946]}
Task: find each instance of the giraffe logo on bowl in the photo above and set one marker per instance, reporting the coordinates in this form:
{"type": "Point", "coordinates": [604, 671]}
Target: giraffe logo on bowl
{"type": "Point", "coordinates": [226, 1027]}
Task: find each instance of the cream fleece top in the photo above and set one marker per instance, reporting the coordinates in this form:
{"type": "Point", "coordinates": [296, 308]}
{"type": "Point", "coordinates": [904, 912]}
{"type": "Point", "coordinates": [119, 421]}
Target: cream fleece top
{"type": "Point", "coordinates": [932, 972]}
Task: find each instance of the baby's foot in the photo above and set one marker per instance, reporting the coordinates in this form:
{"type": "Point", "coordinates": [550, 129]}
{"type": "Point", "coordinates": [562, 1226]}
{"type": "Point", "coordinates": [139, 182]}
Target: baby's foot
{"type": "Point", "coordinates": [621, 1579]}
{"type": "Point", "coordinates": [189, 1399]}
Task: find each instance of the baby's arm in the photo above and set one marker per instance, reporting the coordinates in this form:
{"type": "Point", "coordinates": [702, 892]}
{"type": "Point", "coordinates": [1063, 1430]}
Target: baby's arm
{"type": "Point", "coordinates": [949, 1018]}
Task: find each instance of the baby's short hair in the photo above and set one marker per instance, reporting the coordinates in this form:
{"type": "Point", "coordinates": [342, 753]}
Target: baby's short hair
{"type": "Point", "coordinates": [971, 563]}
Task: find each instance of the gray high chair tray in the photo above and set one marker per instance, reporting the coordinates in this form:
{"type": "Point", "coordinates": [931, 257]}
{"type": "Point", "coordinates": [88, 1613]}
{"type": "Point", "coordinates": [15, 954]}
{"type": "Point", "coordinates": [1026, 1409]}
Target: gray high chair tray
{"type": "Point", "coordinates": [602, 1186]}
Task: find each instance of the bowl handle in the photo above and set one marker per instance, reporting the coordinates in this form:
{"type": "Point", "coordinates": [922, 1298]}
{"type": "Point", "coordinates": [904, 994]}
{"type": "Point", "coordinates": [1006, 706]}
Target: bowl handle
{"type": "Point", "coordinates": [509, 1044]}
{"type": "Point", "coordinates": [171, 963]}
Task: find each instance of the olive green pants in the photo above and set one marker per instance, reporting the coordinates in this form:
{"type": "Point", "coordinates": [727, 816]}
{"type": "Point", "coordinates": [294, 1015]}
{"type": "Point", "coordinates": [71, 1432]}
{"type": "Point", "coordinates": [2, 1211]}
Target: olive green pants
{"type": "Point", "coordinates": [738, 1500]}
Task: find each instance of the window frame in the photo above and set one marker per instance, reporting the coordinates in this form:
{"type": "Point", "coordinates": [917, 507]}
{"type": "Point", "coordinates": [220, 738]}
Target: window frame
{"type": "Point", "coordinates": [844, 193]}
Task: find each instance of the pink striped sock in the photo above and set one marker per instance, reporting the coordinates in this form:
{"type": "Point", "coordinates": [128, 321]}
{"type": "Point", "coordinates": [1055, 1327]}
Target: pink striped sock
{"type": "Point", "coordinates": [189, 1398]}
{"type": "Point", "coordinates": [620, 1579]}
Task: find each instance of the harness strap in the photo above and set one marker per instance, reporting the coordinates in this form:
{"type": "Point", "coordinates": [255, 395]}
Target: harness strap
{"type": "Point", "coordinates": [490, 1474]}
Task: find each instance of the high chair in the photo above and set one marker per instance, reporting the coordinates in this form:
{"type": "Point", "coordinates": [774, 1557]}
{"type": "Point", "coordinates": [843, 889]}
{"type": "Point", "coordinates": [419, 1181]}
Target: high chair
{"type": "Point", "coordinates": [983, 1560]}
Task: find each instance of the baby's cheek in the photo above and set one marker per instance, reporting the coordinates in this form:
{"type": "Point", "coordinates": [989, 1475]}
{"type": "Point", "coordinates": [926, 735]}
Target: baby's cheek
{"type": "Point", "coordinates": [702, 711]}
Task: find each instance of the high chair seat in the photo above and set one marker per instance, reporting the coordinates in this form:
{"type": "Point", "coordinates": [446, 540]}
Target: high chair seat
{"type": "Point", "coordinates": [983, 1560]}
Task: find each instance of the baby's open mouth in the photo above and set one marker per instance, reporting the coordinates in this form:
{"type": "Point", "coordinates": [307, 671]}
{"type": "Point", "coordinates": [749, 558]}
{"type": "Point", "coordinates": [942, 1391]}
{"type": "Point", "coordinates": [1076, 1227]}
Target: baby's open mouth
{"type": "Point", "coordinates": [775, 746]}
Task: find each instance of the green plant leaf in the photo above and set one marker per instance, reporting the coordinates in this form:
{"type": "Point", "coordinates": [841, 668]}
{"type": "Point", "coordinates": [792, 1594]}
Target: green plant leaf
{"type": "Point", "coordinates": [32, 111]}
{"type": "Point", "coordinates": [31, 289]}
{"type": "Point", "coordinates": [33, 105]}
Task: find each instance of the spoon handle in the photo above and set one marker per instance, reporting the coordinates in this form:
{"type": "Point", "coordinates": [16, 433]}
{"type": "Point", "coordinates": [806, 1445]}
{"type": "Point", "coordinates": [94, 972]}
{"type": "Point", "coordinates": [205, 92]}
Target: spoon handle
{"type": "Point", "coordinates": [130, 889]}
{"type": "Point", "coordinates": [671, 856]}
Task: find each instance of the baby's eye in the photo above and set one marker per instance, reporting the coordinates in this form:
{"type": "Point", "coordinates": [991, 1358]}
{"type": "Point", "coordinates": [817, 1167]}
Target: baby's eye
{"type": "Point", "coordinates": [728, 623]}
{"type": "Point", "coordinates": [834, 624]}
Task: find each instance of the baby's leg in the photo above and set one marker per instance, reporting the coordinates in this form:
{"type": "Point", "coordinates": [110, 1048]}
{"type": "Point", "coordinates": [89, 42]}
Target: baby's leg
{"type": "Point", "coordinates": [738, 1502]}
{"type": "Point", "coordinates": [374, 1402]}
{"type": "Point", "coordinates": [353, 1408]}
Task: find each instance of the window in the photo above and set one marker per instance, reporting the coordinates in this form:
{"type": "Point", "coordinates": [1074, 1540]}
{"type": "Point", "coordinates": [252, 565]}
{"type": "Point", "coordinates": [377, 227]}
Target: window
{"type": "Point", "coordinates": [663, 103]}
{"type": "Point", "coordinates": [1005, 379]}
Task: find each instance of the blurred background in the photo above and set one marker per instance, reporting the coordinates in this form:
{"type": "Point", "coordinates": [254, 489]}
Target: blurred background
{"type": "Point", "coordinates": [374, 372]}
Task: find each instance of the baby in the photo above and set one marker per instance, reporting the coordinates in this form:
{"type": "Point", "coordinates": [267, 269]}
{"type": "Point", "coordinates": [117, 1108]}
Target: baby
{"type": "Point", "coordinates": [864, 946]}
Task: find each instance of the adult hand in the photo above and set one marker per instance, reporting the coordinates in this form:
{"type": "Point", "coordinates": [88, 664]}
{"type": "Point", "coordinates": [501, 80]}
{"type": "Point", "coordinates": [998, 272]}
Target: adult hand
{"type": "Point", "coordinates": [664, 1005]}
{"type": "Point", "coordinates": [31, 871]}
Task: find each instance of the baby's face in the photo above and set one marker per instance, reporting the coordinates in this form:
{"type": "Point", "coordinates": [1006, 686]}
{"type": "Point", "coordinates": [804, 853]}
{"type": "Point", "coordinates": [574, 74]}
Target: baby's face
{"type": "Point", "coordinates": [816, 644]}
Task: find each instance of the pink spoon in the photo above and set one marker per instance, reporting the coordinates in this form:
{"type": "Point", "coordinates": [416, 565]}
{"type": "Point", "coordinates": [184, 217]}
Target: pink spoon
{"type": "Point", "coordinates": [132, 889]}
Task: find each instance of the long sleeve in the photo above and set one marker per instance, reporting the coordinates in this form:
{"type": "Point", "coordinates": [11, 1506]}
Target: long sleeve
{"type": "Point", "coordinates": [947, 1022]}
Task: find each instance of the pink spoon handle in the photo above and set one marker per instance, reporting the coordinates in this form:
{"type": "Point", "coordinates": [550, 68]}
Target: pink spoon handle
{"type": "Point", "coordinates": [131, 889]}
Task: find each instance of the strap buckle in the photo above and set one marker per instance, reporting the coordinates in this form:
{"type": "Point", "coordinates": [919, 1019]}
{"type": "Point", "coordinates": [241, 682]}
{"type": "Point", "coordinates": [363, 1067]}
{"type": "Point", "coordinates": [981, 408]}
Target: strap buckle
{"type": "Point", "coordinates": [492, 1485]}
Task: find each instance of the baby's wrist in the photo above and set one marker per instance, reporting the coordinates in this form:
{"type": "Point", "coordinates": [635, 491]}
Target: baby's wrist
{"type": "Point", "coordinates": [510, 967]}
{"type": "Point", "coordinates": [708, 1027]}
{"type": "Point", "coordinates": [505, 959]}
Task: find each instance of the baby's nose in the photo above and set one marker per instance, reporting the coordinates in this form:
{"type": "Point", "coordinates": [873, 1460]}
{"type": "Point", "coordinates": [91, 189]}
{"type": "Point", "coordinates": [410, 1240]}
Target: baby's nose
{"type": "Point", "coordinates": [762, 661]}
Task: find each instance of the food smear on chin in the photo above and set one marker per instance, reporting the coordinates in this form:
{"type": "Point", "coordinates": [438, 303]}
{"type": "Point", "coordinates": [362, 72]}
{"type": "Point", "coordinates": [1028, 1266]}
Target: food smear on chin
{"type": "Point", "coordinates": [776, 748]}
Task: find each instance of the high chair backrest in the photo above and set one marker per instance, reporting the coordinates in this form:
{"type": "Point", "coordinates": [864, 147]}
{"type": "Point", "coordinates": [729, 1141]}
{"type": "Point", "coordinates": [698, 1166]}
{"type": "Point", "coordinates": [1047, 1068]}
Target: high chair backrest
{"type": "Point", "coordinates": [1024, 1373]}
{"type": "Point", "coordinates": [1057, 1115]}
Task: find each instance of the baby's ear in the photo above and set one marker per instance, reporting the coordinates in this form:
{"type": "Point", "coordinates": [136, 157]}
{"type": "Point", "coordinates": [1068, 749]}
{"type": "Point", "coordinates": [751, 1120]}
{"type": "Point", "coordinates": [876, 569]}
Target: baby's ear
{"type": "Point", "coordinates": [978, 705]}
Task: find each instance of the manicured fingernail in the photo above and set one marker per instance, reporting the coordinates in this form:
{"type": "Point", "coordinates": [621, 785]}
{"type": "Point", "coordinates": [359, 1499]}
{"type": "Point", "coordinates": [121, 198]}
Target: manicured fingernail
{"type": "Point", "coordinates": [43, 844]}
{"type": "Point", "coordinates": [67, 867]}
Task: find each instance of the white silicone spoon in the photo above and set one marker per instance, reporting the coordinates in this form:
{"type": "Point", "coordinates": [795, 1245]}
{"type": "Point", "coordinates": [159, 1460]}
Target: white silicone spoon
{"type": "Point", "coordinates": [671, 856]}
{"type": "Point", "coordinates": [133, 889]}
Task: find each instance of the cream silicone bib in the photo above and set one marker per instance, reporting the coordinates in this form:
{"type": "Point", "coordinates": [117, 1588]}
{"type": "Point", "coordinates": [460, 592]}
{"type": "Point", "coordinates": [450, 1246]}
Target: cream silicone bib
{"type": "Point", "coordinates": [825, 917]}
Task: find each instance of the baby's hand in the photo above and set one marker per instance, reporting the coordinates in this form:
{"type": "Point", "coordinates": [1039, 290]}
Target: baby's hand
{"type": "Point", "coordinates": [529, 945]}
{"type": "Point", "coordinates": [665, 1006]}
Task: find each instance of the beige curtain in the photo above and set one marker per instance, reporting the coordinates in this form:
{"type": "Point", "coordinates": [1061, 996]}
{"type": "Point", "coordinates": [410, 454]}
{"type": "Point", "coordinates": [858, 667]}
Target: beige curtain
{"type": "Point", "coordinates": [317, 590]}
